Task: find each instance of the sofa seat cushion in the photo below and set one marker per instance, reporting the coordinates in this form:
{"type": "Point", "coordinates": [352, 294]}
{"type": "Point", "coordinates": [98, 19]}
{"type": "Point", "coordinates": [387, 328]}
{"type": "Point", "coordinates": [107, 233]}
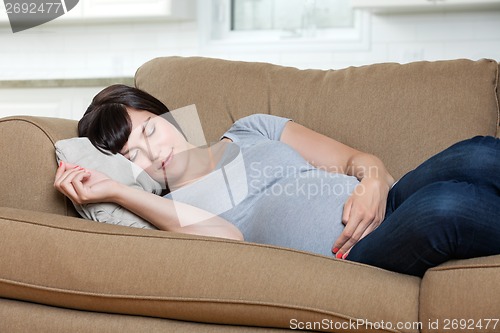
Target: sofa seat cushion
{"type": "Point", "coordinates": [85, 265]}
{"type": "Point", "coordinates": [461, 296]}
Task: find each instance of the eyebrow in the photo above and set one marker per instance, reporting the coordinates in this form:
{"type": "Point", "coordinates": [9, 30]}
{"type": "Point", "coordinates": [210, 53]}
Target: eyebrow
{"type": "Point", "coordinates": [144, 125]}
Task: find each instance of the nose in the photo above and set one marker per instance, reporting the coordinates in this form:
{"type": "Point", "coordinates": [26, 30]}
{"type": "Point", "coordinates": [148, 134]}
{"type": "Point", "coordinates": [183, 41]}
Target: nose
{"type": "Point", "coordinates": [152, 153]}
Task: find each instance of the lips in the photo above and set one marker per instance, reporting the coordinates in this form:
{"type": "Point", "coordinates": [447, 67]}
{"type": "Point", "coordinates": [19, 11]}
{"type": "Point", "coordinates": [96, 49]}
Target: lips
{"type": "Point", "coordinates": [168, 159]}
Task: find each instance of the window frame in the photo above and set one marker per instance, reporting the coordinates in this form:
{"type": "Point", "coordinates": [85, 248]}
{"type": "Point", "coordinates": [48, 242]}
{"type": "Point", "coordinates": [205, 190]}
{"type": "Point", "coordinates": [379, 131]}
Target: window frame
{"type": "Point", "coordinates": [216, 35]}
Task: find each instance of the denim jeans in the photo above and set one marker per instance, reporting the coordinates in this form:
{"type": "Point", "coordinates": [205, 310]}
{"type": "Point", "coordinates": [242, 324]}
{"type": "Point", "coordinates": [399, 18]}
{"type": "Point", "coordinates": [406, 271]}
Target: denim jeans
{"type": "Point", "coordinates": [447, 208]}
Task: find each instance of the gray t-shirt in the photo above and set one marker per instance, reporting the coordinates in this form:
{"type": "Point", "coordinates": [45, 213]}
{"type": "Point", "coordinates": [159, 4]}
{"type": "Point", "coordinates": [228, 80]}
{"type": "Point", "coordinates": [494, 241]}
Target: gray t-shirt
{"type": "Point", "coordinates": [270, 192]}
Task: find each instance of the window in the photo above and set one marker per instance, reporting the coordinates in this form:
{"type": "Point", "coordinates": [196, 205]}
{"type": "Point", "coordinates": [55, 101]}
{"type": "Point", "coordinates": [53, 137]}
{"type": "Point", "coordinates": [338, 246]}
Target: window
{"type": "Point", "coordinates": [271, 24]}
{"type": "Point", "coordinates": [294, 18]}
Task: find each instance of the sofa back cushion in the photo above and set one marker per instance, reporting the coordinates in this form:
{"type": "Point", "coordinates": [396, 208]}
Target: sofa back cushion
{"type": "Point", "coordinates": [28, 163]}
{"type": "Point", "coordinates": [401, 113]}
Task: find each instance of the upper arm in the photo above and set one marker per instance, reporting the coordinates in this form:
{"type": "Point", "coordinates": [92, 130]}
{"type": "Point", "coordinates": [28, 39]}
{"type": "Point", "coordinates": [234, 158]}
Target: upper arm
{"type": "Point", "coordinates": [318, 149]}
{"type": "Point", "coordinates": [256, 127]}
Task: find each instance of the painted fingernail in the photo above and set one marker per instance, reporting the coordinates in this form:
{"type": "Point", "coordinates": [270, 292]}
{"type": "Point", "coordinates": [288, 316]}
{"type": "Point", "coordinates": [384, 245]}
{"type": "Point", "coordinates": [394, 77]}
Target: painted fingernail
{"type": "Point", "coordinates": [339, 255]}
{"type": "Point", "coordinates": [345, 256]}
{"type": "Point", "coordinates": [335, 249]}
{"type": "Point", "coordinates": [60, 163]}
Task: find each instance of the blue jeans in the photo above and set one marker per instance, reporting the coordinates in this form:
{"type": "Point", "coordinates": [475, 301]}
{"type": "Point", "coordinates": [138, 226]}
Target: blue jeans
{"type": "Point", "coordinates": [447, 208]}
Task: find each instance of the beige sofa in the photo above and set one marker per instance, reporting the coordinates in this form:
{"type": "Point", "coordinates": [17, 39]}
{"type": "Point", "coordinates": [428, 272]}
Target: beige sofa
{"type": "Point", "coordinates": [60, 273]}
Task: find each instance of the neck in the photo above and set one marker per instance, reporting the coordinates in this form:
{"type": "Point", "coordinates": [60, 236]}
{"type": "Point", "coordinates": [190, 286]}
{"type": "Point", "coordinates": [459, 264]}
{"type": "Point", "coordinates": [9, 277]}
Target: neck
{"type": "Point", "coordinates": [201, 162]}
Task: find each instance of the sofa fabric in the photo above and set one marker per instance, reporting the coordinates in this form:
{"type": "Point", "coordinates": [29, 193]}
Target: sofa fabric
{"type": "Point", "coordinates": [28, 163]}
{"type": "Point", "coordinates": [59, 320]}
{"type": "Point", "coordinates": [62, 273]}
{"type": "Point", "coordinates": [478, 280]}
{"type": "Point", "coordinates": [226, 282]}
{"type": "Point", "coordinates": [401, 113]}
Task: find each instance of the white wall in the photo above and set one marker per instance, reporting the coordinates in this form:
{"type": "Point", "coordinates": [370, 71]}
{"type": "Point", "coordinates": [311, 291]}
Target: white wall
{"type": "Point", "coordinates": [437, 36]}
{"type": "Point", "coordinates": [71, 51]}
{"type": "Point", "coordinates": [83, 51]}
{"type": "Point", "coordinates": [65, 51]}
{"type": "Point", "coordinates": [403, 38]}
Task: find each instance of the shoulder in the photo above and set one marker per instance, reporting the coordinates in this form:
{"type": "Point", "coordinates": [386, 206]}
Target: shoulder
{"type": "Point", "coordinates": [257, 125]}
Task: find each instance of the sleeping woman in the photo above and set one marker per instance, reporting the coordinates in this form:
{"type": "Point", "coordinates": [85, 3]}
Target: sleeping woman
{"type": "Point", "coordinates": [291, 186]}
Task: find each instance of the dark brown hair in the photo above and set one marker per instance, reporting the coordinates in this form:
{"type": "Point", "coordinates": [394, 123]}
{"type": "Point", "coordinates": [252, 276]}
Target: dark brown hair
{"type": "Point", "coordinates": [106, 122]}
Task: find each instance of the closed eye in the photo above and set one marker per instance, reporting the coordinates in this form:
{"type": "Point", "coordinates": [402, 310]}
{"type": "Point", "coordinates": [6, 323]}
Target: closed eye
{"type": "Point", "coordinates": [148, 128]}
{"type": "Point", "coordinates": [132, 155]}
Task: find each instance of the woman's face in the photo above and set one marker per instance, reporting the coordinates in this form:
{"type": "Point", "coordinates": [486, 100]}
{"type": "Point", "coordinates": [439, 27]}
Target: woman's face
{"type": "Point", "coordinates": [157, 147]}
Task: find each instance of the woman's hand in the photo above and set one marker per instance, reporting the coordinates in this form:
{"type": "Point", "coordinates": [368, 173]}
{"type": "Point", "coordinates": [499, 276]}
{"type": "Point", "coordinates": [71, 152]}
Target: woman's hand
{"type": "Point", "coordinates": [363, 212]}
{"type": "Point", "coordinates": [365, 209]}
{"type": "Point", "coordinates": [83, 186]}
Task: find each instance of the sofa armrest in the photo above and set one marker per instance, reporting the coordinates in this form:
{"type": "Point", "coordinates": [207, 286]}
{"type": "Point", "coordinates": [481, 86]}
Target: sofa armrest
{"type": "Point", "coordinates": [461, 296]}
{"type": "Point", "coordinates": [498, 100]}
{"type": "Point", "coordinates": [28, 163]}
{"type": "Point", "coordinates": [73, 263]}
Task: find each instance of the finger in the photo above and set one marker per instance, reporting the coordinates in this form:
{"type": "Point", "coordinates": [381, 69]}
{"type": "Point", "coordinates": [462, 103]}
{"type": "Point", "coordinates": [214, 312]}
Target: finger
{"type": "Point", "coordinates": [348, 245]}
{"type": "Point", "coordinates": [382, 212]}
{"type": "Point", "coordinates": [347, 211]}
{"type": "Point", "coordinates": [70, 165]}
{"type": "Point", "coordinates": [372, 225]}
{"type": "Point", "coordinates": [351, 217]}
{"type": "Point", "coordinates": [353, 235]}
{"type": "Point", "coordinates": [347, 233]}
{"type": "Point", "coordinates": [60, 170]}
{"type": "Point", "coordinates": [339, 242]}
{"type": "Point", "coordinates": [79, 188]}
{"type": "Point", "coordinates": [66, 185]}
{"type": "Point", "coordinates": [64, 174]}
{"type": "Point", "coordinates": [368, 231]}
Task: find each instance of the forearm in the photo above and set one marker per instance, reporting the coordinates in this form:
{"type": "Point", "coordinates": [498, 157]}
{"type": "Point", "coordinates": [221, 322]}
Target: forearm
{"type": "Point", "coordinates": [328, 154]}
{"type": "Point", "coordinates": [365, 166]}
{"type": "Point", "coordinates": [84, 186]}
{"type": "Point", "coordinates": [171, 215]}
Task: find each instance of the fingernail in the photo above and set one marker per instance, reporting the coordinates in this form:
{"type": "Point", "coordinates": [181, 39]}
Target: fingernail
{"type": "Point", "coordinates": [345, 256]}
{"type": "Point", "coordinates": [335, 249]}
{"type": "Point", "coordinates": [339, 255]}
{"type": "Point", "coordinates": [60, 163]}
